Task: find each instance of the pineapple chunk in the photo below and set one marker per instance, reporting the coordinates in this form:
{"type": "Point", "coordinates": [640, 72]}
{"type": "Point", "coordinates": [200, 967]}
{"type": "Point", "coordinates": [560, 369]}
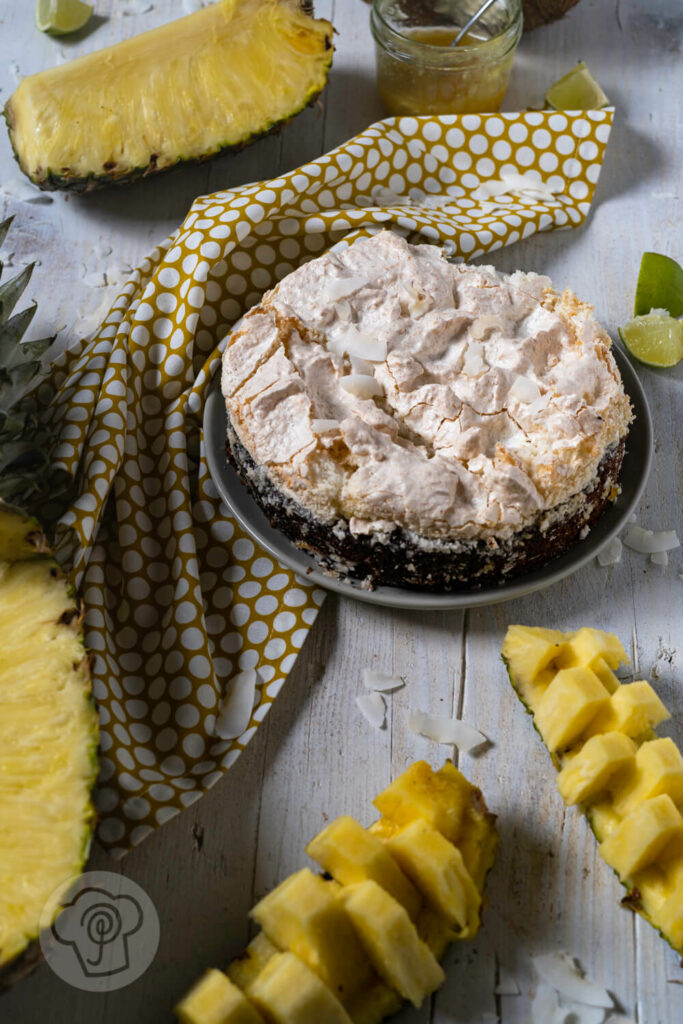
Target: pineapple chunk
{"type": "Point", "coordinates": [439, 799]}
{"type": "Point", "coordinates": [303, 915]}
{"type": "Point", "coordinates": [244, 969]}
{"type": "Point", "coordinates": [641, 837]}
{"type": "Point", "coordinates": [350, 854]}
{"type": "Point", "coordinates": [609, 680]}
{"type": "Point", "coordinates": [633, 709]}
{"type": "Point", "coordinates": [397, 953]}
{"type": "Point", "coordinates": [658, 769]}
{"type": "Point", "coordinates": [437, 869]}
{"type": "Point", "coordinates": [594, 767]}
{"type": "Point", "coordinates": [216, 1000]}
{"type": "Point", "coordinates": [527, 650]}
{"type": "Point", "coordinates": [587, 645]}
{"type": "Point", "coordinates": [568, 705]}
{"type": "Point", "coordinates": [288, 992]}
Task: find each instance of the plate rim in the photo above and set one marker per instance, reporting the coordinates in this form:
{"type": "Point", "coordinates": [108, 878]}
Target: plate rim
{"type": "Point", "coordinates": [279, 547]}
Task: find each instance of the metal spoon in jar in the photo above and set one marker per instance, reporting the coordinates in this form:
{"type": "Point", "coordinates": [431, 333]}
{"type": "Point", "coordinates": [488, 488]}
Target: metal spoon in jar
{"type": "Point", "coordinates": [473, 20]}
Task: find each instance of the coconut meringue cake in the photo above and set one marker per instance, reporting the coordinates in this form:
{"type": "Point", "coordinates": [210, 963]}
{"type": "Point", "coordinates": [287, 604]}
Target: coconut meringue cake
{"type": "Point", "coordinates": [420, 423]}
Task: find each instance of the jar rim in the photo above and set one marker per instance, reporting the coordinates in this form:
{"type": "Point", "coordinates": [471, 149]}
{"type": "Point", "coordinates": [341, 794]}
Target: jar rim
{"type": "Point", "coordinates": [411, 47]}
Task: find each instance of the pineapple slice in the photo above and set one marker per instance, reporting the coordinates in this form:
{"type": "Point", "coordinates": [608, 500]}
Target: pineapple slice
{"type": "Point", "coordinates": [215, 1000]}
{"type": "Point", "coordinates": [288, 992]}
{"type": "Point", "coordinates": [437, 869]}
{"type": "Point", "coordinates": [571, 701]}
{"type": "Point", "coordinates": [420, 793]}
{"type": "Point", "coordinates": [589, 772]}
{"type": "Point", "coordinates": [244, 969]}
{"type": "Point", "coordinates": [658, 769]}
{"type": "Point", "coordinates": [643, 836]}
{"type": "Point", "coordinates": [305, 916]}
{"type": "Point", "coordinates": [214, 80]}
{"type": "Point", "coordinates": [633, 709]}
{"type": "Point", "coordinates": [397, 953]}
{"type": "Point", "coordinates": [527, 651]}
{"type": "Point", "coordinates": [351, 854]}
{"type": "Point", "coordinates": [48, 740]}
{"type": "Point", "coordinates": [587, 646]}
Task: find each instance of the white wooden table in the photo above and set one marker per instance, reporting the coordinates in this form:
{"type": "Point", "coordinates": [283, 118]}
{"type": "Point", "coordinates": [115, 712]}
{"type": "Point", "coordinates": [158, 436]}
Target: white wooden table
{"type": "Point", "coordinates": [315, 757]}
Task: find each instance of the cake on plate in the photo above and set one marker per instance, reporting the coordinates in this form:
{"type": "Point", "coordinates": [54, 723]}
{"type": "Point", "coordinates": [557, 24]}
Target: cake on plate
{"type": "Point", "coordinates": [417, 422]}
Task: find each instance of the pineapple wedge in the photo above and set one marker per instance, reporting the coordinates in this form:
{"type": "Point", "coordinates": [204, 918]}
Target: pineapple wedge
{"type": "Point", "coordinates": [351, 854]}
{"type": "Point", "coordinates": [351, 940]}
{"type": "Point", "coordinates": [627, 780]}
{"type": "Point", "coordinates": [215, 999]}
{"type": "Point", "coordinates": [397, 953]}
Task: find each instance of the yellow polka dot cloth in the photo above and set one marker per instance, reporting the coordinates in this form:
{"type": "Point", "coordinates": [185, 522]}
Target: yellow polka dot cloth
{"type": "Point", "coordinates": [179, 602]}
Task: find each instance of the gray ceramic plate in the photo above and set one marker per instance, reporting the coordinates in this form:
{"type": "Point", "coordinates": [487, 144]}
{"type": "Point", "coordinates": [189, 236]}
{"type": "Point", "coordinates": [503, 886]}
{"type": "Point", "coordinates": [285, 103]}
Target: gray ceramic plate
{"type": "Point", "coordinates": [634, 473]}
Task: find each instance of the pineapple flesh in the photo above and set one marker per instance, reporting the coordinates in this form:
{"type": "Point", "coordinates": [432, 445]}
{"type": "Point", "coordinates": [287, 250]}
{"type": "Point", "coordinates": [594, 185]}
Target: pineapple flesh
{"type": "Point", "coordinates": [353, 947]}
{"type": "Point", "coordinates": [48, 737]}
{"type": "Point", "coordinates": [213, 80]}
{"type": "Point", "coordinates": [627, 780]}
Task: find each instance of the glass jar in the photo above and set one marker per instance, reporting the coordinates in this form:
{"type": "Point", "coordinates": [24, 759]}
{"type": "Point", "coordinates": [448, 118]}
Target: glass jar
{"type": "Point", "coordinates": [419, 72]}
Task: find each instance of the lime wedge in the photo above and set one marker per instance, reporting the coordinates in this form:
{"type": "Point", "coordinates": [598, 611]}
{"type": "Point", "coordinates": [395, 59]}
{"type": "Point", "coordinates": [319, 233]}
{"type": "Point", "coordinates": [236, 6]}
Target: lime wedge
{"type": "Point", "coordinates": [577, 90]}
{"type": "Point", "coordinates": [59, 17]}
{"type": "Point", "coordinates": [660, 285]}
{"type": "Point", "coordinates": [654, 339]}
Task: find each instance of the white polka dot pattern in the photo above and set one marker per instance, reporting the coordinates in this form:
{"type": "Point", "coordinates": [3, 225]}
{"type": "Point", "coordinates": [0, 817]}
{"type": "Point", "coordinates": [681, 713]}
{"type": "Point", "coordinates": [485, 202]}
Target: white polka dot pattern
{"type": "Point", "coordinates": [177, 599]}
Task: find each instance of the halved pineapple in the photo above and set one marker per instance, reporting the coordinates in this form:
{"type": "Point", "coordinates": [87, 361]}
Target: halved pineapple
{"type": "Point", "coordinates": [48, 739]}
{"type": "Point", "coordinates": [214, 80]}
{"type": "Point", "coordinates": [628, 781]}
{"type": "Point", "coordinates": [319, 925]}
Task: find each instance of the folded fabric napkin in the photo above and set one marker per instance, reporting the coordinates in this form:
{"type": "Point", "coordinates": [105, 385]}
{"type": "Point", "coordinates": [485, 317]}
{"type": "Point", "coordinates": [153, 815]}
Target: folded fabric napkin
{"type": "Point", "coordinates": [183, 612]}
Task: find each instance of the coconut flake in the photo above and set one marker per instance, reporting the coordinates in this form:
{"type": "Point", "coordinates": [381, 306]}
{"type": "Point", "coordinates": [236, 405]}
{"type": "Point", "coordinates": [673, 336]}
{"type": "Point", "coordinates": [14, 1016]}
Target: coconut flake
{"type": "Point", "coordinates": [235, 709]}
{"type": "Point", "coordinates": [374, 680]}
{"type": "Point", "coordinates": [361, 386]}
{"type": "Point", "coordinates": [507, 983]}
{"type": "Point", "coordinates": [343, 309]}
{"type": "Point", "coordinates": [561, 973]}
{"type": "Point", "coordinates": [525, 390]}
{"type": "Point", "coordinates": [362, 366]}
{"type": "Point", "coordinates": [545, 1006]}
{"type": "Point", "coordinates": [482, 324]}
{"type": "Point", "coordinates": [619, 1018]}
{"type": "Point", "coordinates": [323, 426]}
{"type": "Point", "coordinates": [445, 730]}
{"type": "Point", "coordinates": [647, 542]}
{"type": "Point", "coordinates": [373, 708]}
{"type": "Point", "coordinates": [611, 553]}
{"type": "Point", "coordinates": [540, 403]}
{"type": "Point", "coordinates": [385, 197]}
{"type": "Point", "coordinates": [528, 182]}
{"type": "Point", "coordinates": [348, 339]}
{"type": "Point", "coordinates": [659, 558]}
{"type": "Point", "coordinates": [95, 280]}
{"type": "Point", "coordinates": [339, 287]}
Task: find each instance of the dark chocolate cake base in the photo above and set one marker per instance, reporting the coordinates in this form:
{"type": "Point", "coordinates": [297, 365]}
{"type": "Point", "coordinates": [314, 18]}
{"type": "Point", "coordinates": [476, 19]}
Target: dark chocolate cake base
{"type": "Point", "coordinates": [401, 559]}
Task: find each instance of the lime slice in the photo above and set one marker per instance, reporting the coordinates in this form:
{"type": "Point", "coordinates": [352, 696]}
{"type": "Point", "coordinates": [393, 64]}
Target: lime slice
{"type": "Point", "coordinates": [59, 17]}
{"type": "Point", "coordinates": [654, 339]}
{"type": "Point", "coordinates": [577, 90]}
{"type": "Point", "coordinates": [660, 285]}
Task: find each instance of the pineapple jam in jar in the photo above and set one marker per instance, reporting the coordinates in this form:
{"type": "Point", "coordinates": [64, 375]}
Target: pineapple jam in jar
{"type": "Point", "coordinates": [419, 72]}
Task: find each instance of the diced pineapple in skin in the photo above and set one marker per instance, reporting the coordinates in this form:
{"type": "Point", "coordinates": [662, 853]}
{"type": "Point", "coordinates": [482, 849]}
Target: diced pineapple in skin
{"type": "Point", "coordinates": [350, 854]}
{"type": "Point", "coordinates": [670, 916]}
{"type": "Point", "coordinates": [397, 953]}
{"type": "Point", "coordinates": [591, 771]}
{"type": "Point", "coordinates": [528, 650]}
{"type": "Point", "coordinates": [658, 768]}
{"type": "Point", "coordinates": [435, 932]}
{"type": "Point", "coordinates": [437, 869]}
{"type": "Point", "coordinates": [586, 645]}
{"type": "Point", "coordinates": [641, 837]}
{"type": "Point", "coordinates": [304, 915]}
{"type": "Point", "coordinates": [288, 992]}
{"type": "Point", "coordinates": [216, 1000]}
{"type": "Point", "coordinates": [567, 707]}
{"type": "Point", "coordinates": [436, 798]}
{"type": "Point", "coordinates": [633, 709]}
{"type": "Point", "coordinates": [245, 968]}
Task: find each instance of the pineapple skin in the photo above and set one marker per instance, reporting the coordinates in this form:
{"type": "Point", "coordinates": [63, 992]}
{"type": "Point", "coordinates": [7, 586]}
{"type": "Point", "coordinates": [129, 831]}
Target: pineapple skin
{"type": "Point", "coordinates": [23, 541]}
{"type": "Point", "coordinates": [50, 179]}
{"type": "Point", "coordinates": [645, 887]}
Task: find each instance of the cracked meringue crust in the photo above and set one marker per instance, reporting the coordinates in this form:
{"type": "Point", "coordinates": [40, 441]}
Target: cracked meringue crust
{"type": "Point", "coordinates": [493, 402]}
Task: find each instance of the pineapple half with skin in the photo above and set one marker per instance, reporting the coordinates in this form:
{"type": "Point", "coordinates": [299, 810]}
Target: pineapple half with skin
{"type": "Point", "coordinates": [213, 80]}
{"type": "Point", "coordinates": [626, 779]}
{"type": "Point", "coordinates": [48, 722]}
{"type": "Point", "coordinates": [349, 946]}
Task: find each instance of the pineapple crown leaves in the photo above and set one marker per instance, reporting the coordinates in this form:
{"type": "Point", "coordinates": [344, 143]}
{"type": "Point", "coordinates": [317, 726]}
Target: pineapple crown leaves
{"type": "Point", "coordinates": [26, 444]}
